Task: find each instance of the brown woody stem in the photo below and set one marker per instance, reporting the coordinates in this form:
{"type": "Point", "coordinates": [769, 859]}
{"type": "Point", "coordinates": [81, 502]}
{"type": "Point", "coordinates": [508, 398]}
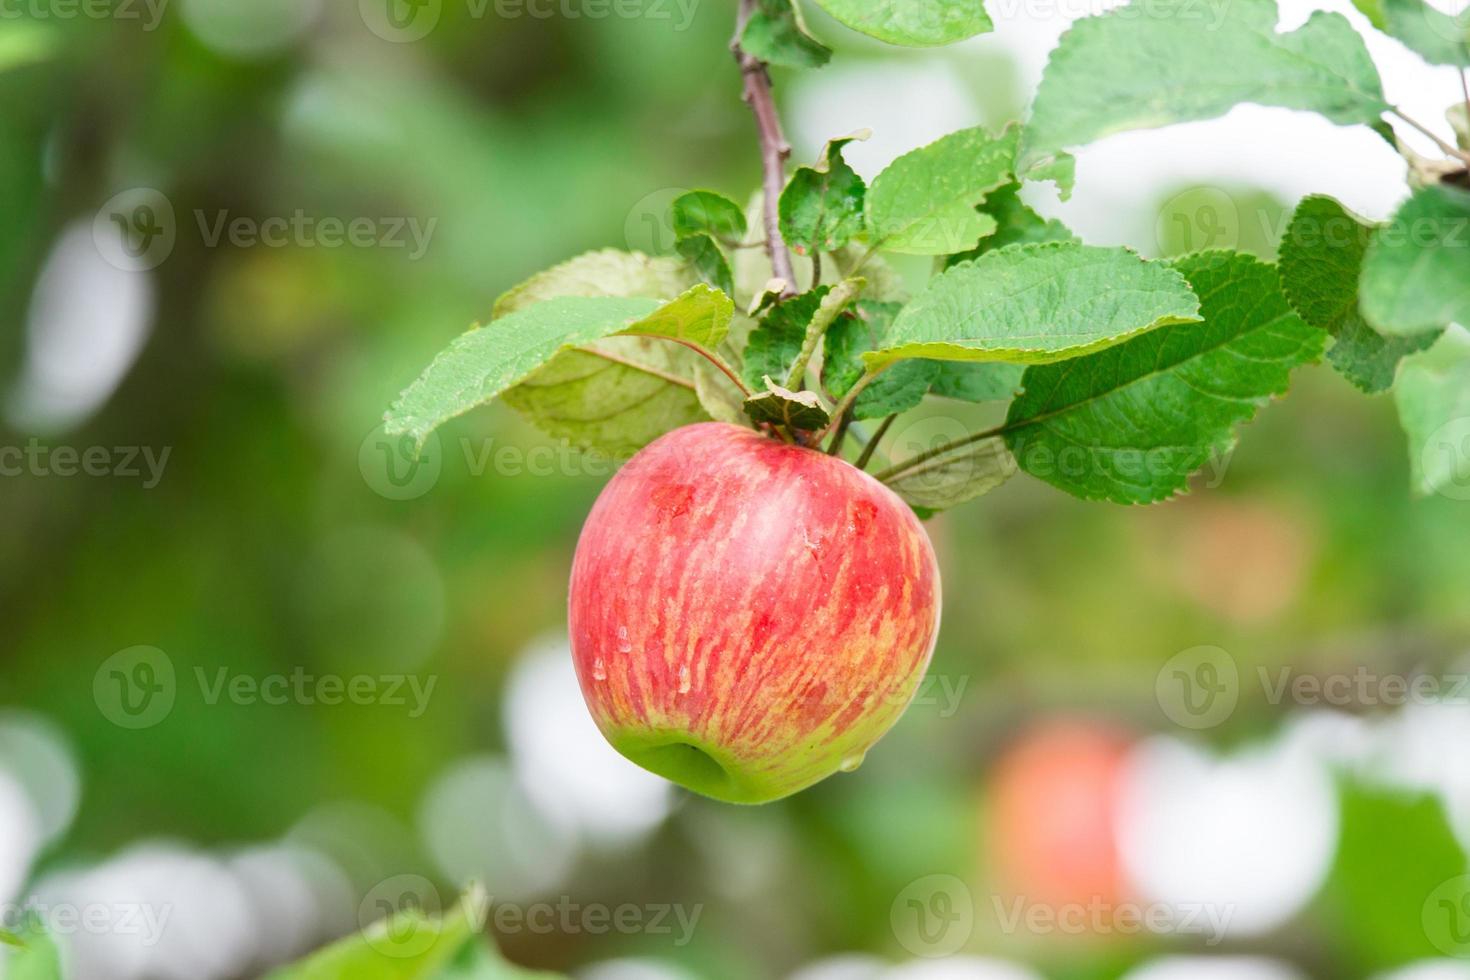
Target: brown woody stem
{"type": "Point", "coordinates": [774, 149]}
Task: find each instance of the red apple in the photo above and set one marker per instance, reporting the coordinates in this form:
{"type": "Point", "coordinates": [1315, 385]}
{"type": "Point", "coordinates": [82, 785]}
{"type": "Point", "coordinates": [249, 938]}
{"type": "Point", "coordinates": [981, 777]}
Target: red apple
{"type": "Point", "coordinates": [1054, 797]}
{"type": "Point", "coordinates": [748, 617]}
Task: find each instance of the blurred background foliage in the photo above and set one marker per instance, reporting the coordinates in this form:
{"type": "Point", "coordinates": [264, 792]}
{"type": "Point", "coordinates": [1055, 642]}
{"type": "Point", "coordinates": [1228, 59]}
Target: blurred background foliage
{"type": "Point", "coordinates": [267, 545]}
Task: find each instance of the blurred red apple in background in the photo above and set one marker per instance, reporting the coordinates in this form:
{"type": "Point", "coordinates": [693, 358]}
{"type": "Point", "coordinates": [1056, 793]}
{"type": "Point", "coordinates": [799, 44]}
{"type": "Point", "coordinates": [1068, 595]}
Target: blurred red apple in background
{"type": "Point", "coordinates": [1054, 797]}
{"type": "Point", "coordinates": [748, 617]}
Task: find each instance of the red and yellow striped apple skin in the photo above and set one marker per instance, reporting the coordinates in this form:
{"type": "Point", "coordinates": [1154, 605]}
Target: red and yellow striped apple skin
{"type": "Point", "coordinates": [747, 617]}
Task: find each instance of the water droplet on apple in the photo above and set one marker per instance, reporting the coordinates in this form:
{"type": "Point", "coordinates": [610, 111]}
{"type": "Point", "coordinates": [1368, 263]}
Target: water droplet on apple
{"type": "Point", "coordinates": [684, 679]}
{"type": "Point", "coordinates": [625, 645]}
{"type": "Point", "coordinates": [599, 670]}
{"type": "Point", "coordinates": [851, 763]}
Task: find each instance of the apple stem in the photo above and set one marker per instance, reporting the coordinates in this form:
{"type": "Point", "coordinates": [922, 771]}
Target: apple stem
{"type": "Point", "coordinates": [774, 148]}
{"type": "Point", "coordinates": [867, 454]}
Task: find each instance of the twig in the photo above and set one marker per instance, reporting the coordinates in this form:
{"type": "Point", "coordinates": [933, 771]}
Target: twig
{"type": "Point", "coordinates": [774, 149]}
{"type": "Point", "coordinates": [862, 461]}
{"type": "Point", "coordinates": [835, 446]}
{"type": "Point", "coordinates": [816, 268]}
{"type": "Point", "coordinates": [924, 457]}
{"type": "Point", "coordinates": [845, 406]}
{"type": "Point", "coordinates": [1453, 151]}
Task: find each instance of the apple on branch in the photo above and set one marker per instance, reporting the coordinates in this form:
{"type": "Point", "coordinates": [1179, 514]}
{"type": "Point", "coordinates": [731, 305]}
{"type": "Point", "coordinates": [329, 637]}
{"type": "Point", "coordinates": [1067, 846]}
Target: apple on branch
{"type": "Point", "coordinates": [748, 616]}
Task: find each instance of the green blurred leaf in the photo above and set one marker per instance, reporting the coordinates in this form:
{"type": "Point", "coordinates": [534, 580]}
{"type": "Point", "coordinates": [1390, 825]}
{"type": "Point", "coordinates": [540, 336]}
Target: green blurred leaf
{"type": "Point", "coordinates": [707, 213]}
{"type": "Point", "coordinates": [485, 362]}
{"type": "Point", "coordinates": [29, 953]}
{"type": "Point", "coordinates": [898, 389]}
{"type": "Point", "coordinates": [1038, 303]}
{"type": "Point", "coordinates": [793, 409]}
{"type": "Point", "coordinates": [1145, 65]}
{"type": "Point", "coordinates": [1437, 37]}
{"type": "Point", "coordinates": [1321, 259]}
{"type": "Point", "coordinates": [1416, 274]}
{"type": "Point", "coordinates": [413, 946]}
{"type": "Point", "coordinates": [924, 203]}
{"type": "Point", "coordinates": [25, 43]}
{"type": "Point", "coordinates": [1394, 850]}
{"type": "Point", "coordinates": [1145, 414]}
{"type": "Point", "coordinates": [1433, 398]}
{"type": "Point", "coordinates": [776, 33]}
{"type": "Point", "coordinates": [822, 205]}
{"type": "Point", "coordinates": [914, 23]}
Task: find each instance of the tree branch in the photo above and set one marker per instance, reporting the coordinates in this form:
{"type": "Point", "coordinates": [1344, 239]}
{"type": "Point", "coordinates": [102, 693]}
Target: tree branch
{"type": "Point", "coordinates": [774, 149]}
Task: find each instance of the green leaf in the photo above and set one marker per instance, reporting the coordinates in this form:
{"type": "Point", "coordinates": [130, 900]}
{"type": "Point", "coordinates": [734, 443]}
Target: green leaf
{"type": "Point", "coordinates": [1433, 398]}
{"type": "Point", "coordinates": [707, 213]}
{"type": "Point", "coordinates": [30, 953]}
{"type": "Point", "coordinates": [1033, 304]}
{"type": "Point", "coordinates": [1416, 275]}
{"type": "Point", "coordinates": [777, 34]}
{"type": "Point", "coordinates": [717, 394]}
{"type": "Point", "coordinates": [1016, 224]}
{"type": "Point", "coordinates": [1395, 849]}
{"type": "Point", "coordinates": [408, 946]}
{"type": "Point", "coordinates": [26, 43]}
{"type": "Point", "coordinates": [1129, 424]}
{"type": "Point", "coordinates": [974, 382]}
{"type": "Point", "coordinates": [822, 205]}
{"type": "Point", "coordinates": [1321, 260]}
{"type": "Point", "coordinates": [1156, 62]}
{"type": "Point", "coordinates": [614, 395]}
{"type": "Point", "coordinates": [774, 344]}
{"type": "Point", "coordinates": [487, 361]}
{"type": "Point", "coordinates": [1437, 37]}
{"type": "Point", "coordinates": [955, 476]}
{"type": "Point", "coordinates": [706, 259]}
{"type": "Point", "coordinates": [898, 389]}
{"type": "Point", "coordinates": [913, 23]}
{"type": "Point", "coordinates": [924, 203]}
{"type": "Point", "coordinates": [607, 272]}
{"type": "Point", "coordinates": [1458, 116]}
{"type": "Point", "coordinates": [792, 409]}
